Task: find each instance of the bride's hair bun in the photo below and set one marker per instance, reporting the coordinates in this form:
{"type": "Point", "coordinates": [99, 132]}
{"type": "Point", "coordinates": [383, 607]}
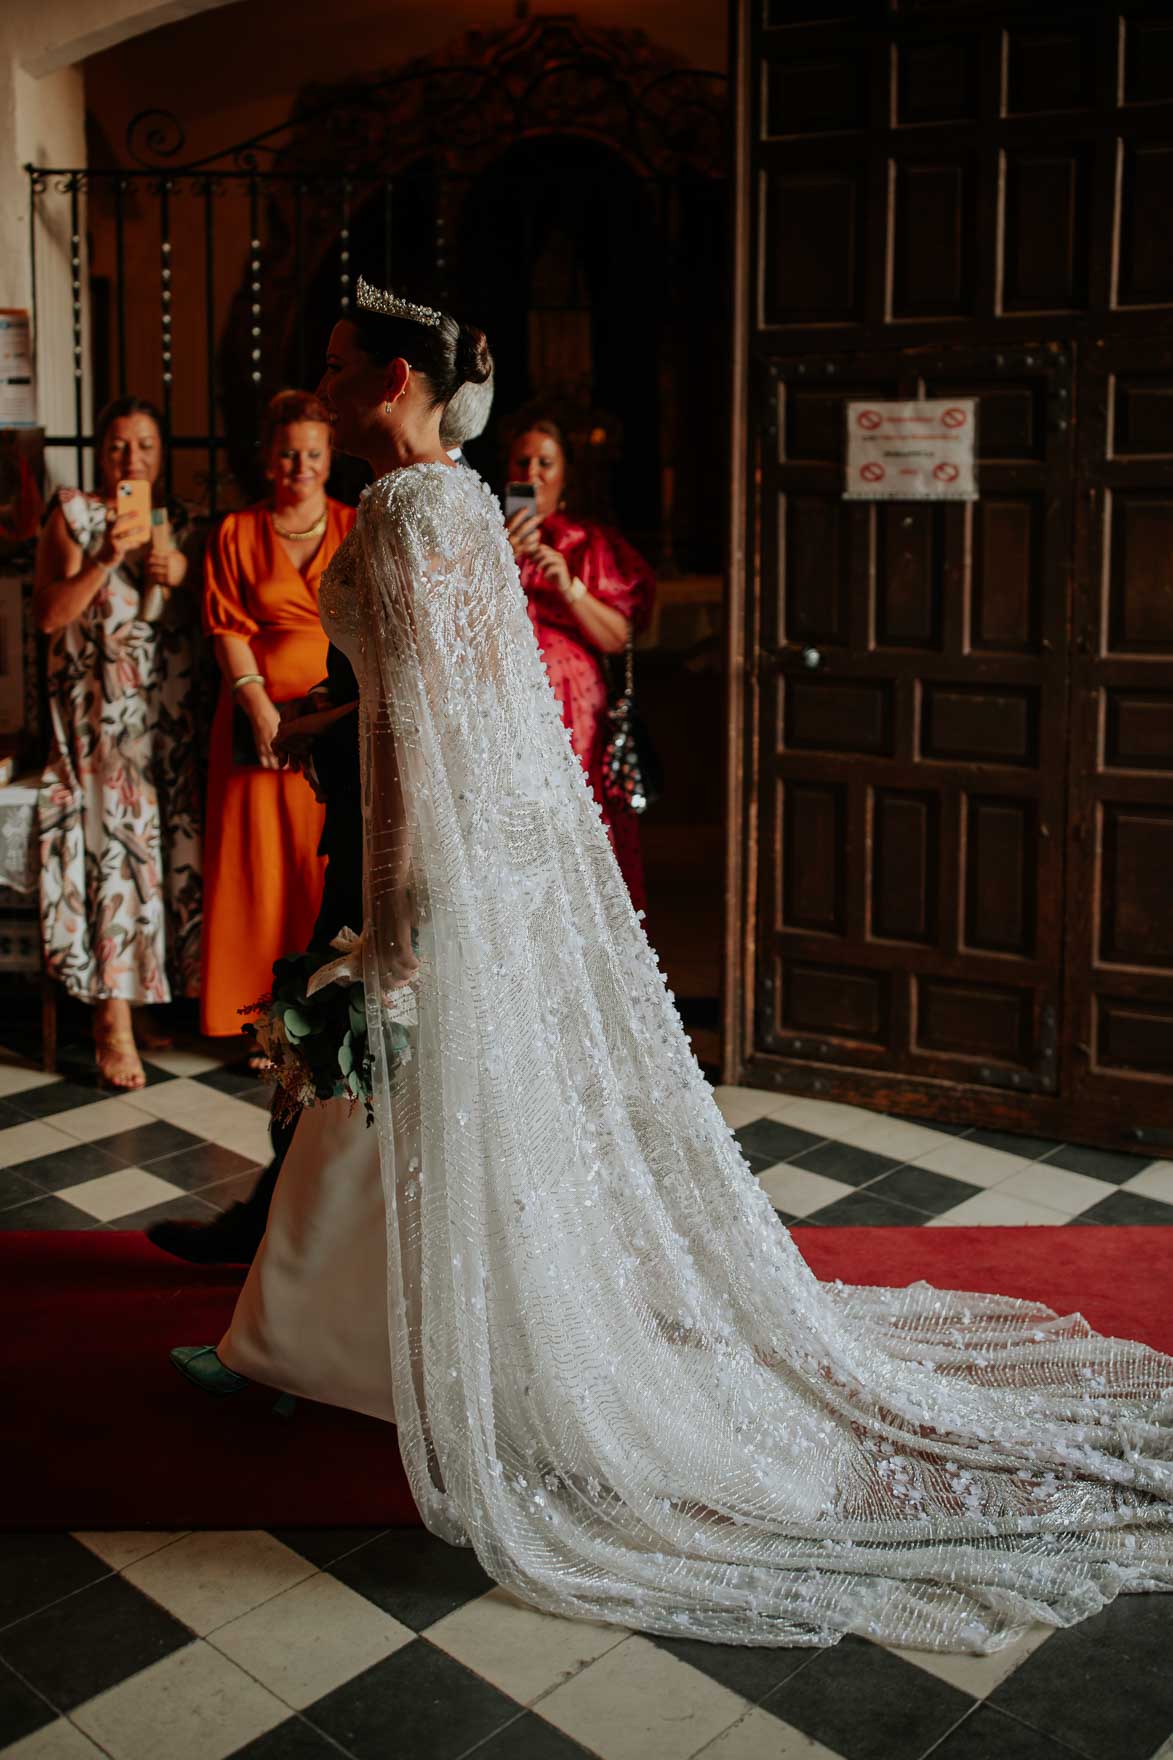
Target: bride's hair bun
{"type": "Point", "coordinates": [474, 363]}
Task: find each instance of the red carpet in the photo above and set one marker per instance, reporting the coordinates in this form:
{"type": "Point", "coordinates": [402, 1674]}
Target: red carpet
{"type": "Point", "coordinates": [98, 1431]}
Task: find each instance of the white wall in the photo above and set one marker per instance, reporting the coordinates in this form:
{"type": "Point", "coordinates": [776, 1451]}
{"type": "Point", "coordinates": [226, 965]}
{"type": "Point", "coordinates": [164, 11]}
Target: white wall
{"type": "Point", "coordinates": [42, 121]}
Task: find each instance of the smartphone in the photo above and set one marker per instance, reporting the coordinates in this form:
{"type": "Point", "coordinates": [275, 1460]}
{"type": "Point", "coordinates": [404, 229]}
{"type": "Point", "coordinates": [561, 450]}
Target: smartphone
{"type": "Point", "coordinates": [520, 498]}
{"type": "Point", "coordinates": [133, 495]}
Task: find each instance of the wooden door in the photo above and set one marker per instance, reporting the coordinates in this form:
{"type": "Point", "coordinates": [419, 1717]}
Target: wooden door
{"type": "Point", "coordinates": [1120, 923]}
{"type": "Point", "coordinates": [950, 761]}
{"type": "Point", "coordinates": [911, 762]}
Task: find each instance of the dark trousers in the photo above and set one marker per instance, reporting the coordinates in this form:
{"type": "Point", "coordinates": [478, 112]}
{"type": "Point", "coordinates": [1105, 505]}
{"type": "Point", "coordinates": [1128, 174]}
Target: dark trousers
{"type": "Point", "coordinates": [341, 909]}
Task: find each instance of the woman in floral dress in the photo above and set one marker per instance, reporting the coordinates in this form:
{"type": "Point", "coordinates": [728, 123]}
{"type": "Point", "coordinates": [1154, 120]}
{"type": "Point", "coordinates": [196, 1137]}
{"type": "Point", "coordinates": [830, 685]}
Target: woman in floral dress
{"type": "Point", "coordinates": [119, 803]}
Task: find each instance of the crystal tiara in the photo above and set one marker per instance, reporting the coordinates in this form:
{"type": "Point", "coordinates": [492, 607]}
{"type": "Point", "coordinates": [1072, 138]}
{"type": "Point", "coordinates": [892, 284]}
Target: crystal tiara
{"type": "Point", "coordinates": [389, 305]}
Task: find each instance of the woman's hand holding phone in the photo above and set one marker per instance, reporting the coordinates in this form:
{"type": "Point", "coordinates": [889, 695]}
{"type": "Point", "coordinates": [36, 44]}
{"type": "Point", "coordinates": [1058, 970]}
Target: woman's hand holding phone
{"type": "Point", "coordinates": [522, 530]}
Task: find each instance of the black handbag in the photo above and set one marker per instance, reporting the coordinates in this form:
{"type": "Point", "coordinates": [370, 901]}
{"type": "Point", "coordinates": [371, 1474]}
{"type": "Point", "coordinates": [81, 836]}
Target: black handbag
{"type": "Point", "coordinates": [633, 776]}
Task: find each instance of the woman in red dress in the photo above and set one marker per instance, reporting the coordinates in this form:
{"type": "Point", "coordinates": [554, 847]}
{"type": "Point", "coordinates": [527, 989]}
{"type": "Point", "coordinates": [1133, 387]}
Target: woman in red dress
{"type": "Point", "coordinates": [586, 589]}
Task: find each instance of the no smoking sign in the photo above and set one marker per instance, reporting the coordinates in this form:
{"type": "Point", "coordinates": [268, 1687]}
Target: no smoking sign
{"type": "Point", "coordinates": [917, 451]}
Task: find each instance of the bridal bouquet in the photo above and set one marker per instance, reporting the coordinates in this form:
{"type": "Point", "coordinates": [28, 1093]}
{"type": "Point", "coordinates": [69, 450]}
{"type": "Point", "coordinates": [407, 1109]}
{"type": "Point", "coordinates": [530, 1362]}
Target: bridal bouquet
{"type": "Point", "coordinates": [313, 1031]}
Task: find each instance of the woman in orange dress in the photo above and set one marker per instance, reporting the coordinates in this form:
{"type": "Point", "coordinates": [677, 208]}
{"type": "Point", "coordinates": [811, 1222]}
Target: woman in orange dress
{"type": "Point", "coordinates": [262, 870]}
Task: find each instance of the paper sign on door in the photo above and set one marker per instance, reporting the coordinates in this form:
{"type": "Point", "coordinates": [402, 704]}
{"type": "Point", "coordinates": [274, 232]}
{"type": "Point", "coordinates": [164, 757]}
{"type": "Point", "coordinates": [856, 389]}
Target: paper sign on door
{"type": "Point", "coordinates": [911, 451]}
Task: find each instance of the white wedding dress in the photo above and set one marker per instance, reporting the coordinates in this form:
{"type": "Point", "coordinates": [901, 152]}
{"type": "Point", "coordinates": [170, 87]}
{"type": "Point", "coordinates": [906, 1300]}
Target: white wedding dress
{"type": "Point", "coordinates": [612, 1372]}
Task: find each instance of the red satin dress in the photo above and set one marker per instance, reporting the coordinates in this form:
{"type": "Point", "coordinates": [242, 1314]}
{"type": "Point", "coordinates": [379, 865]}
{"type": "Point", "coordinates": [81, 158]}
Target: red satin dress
{"type": "Point", "coordinates": [618, 576]}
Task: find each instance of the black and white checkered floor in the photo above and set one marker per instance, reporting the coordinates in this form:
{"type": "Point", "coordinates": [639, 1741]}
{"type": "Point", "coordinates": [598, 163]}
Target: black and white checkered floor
{"type": "Point", "coordinates": [299, 1645]}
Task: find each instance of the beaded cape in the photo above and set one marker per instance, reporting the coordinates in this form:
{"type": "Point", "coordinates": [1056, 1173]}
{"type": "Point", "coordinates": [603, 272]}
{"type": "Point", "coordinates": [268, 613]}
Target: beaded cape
{"type": "Point", "coordinates": [614, 1375]}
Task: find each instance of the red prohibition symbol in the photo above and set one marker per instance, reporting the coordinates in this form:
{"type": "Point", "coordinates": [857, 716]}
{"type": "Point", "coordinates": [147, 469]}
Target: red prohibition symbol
{"type": "Point", "coordinates": [870, 419]}
{"type": "Point", "coordinates": [872, 473]}
{"type": "Point", "coordinates": [954, 418]}
{"type": "Point", "coordinates": [946, 473]}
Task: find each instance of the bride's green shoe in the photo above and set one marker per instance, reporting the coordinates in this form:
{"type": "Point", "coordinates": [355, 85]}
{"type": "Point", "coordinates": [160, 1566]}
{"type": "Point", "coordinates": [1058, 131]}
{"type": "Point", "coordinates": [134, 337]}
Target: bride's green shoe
{"type": "Point", "coordinates": [199, 1364]}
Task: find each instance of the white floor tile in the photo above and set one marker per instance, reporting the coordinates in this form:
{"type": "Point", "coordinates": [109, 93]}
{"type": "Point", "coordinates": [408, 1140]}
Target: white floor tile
{"type": "Point", "coordinates": [88, 1124]}
{"type": "Point", "coordinates": [194, 1705]}
{"type": "Point", "coordinates": [761, 1737]}
{"type": "Point", "coordinates": [179, 1061]}
{"type": "Point", "coordinates": [176, 1100]}
{"type": "Point", "coordinates": [638, 1701]}
{"type": "Point", "coordinates": [742, 1105]}
{"type": "Point", "coordinates": [798, 1190]}
{"type": "Point", "coordinates": [119, 1549]}
{"type": "Point", "coordinates": [56, 1741]}
{"type": "Point", "coordinates": [892, 1136]}
{"type": "Point", "coordinates": [521, 1651]}
{"type": "Point", "coordinates": [23, 1142]}
{"type": "Point", "coordinates": [239, 1126]}
{"type": "Point", "coordinates": [1154, 1182]}
{"type": "Point", "coordinates": [824, 1118]}
{"type": "Point", "coordinates": [977, 1675]}
{"type": "Point", "coordinates": [996, 1209]}
{"type": "Point", "coordinates": [972, 1162]}
{"type": "Point", "coordinates": [309, 1640]}
{"type": "Point", "coordinates": [120, 1194]}
{"type": "Point", "coordinates": [1055, 1188]}
{"type": "Point", "coordinates": [18, 1075]}
{"type": "Point", "coordinates": [209, 1578]}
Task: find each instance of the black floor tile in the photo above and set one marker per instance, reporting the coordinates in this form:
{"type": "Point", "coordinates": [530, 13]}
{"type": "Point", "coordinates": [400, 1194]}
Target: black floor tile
{"type": "Point", "coordinates": [434, 1705]}
{"type": "Point", "coordinates": [292, 1740]}
{"type": "Point", "coordinates": [323, 1546]}
{"type": "Point", "coordinates": [863, 1210]}
{"type": "Point", "coordinates": [201, 1164]}
{"type": "Point", "coordinates": [186, 1208]}
{"type": "Point", "coordinates": [21, 1710]}
{"type": "Point", "coordinates": [529, 1738]}
{"type": "Point", "coordinates": [1099, 1163]}
{"type": "Point", "coordinates": [15, 1189]}
{"type": "Point", "coordinates": [150, 1142]}
{"type": "Point", "coordinates": [1128, 1208]}
{"type": "Point", "coordinates": [413, 1576]}
{"type": "Point", "coordinates": [988, 1734]}
{"type": "Point", "coordinates": [60, 1096]}
{"type": "Point", "coordinates": [864, 1703]}
{"type": "Point", "coordinates": [934, 1193]}
{"type": "Point", "coordinates": [261, 1098]}
{"type": "Point", "coordinates": [227, 1192]}
{"type": "Point", "coordinates": [847, 1163]}
{"type": "Point", "coordinates": [38, 1569]}
{"type": "Point", "coordinates": [70, 1167]}
{"type": "Point", "coordinates": [90, 1641]}
{"type": "Point", "coordinates": [46, 1211]}
{"type": "Point", "coordinates": [1104, 1687]}
{"type": "Point", "coordinates": [10, 1113]}
{"type": "Point", "coordinates": [1031, 1147]}
{"type": "Point", "coordinates": [785, 1218]}
{"type": "Point", "coordinates": [235, 1079]}
{"type": "Point", "coordinates": [767, 1140]}
{"type": "Point", "coordinates": [935, 1124]}
{"type": "Point", "coordinates": [752, 1672]}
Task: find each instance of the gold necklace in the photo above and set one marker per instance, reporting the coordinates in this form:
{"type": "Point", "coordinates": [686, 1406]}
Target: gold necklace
{"type": "Point", "coordinates": [315, 531]}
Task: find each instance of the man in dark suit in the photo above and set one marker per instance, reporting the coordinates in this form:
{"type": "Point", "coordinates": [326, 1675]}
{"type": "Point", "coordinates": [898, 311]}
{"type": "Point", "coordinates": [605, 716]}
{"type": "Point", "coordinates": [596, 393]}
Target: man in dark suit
{"type": "Point", "coordinates": [233, 1238]}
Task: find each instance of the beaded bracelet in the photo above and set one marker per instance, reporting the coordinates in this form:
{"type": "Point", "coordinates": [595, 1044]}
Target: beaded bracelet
{"type": "Point", "coordinates": [248, 678]}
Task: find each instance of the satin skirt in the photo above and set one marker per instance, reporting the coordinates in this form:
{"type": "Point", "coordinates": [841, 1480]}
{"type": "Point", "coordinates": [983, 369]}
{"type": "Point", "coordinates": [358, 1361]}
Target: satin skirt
{"type": "Point", "coordinates": [312, 1318]}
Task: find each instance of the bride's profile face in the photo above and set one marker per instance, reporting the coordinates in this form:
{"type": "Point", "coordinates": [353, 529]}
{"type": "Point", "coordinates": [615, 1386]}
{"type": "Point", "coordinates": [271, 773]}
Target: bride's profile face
{"type": "Point", "coordinates": [353, 389]}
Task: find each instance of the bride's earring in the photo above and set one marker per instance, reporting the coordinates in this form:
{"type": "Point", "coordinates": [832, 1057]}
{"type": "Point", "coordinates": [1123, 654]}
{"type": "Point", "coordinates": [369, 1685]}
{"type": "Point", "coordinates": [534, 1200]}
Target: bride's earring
{"type": "Point", "coordinates": [386, 409]}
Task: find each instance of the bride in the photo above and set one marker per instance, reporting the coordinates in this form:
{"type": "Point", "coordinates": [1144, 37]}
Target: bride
{"type": "Point", "coordinates": [612, 1373]}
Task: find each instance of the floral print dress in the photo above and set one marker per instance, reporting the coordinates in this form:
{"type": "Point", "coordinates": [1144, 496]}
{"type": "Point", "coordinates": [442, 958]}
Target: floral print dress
{"type": "Point", "coordinates": [119, 806]}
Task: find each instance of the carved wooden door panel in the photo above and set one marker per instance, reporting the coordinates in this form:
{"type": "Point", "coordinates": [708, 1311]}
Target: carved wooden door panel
{"type": "Point", "coordinates": [1120, 937]}
{"type": "Point", "coordinates": [912, 734]}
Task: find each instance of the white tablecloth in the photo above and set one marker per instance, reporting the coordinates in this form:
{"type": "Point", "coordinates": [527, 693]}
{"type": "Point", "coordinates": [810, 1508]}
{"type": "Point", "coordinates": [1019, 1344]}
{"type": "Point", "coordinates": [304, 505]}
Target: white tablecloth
{"type": "Point", "coordinates": [18, 840]}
